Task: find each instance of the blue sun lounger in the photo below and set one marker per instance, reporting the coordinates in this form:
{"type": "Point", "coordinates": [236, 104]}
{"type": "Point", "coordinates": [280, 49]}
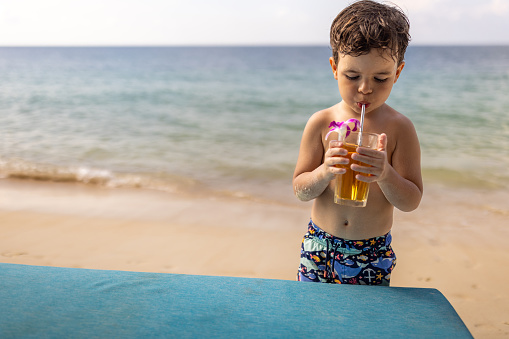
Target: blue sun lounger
{"type": "Point", "coordinates": [51, 302]}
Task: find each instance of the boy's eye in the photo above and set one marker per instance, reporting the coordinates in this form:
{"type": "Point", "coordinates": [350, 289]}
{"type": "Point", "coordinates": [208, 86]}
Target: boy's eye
{"type": "Point", "coordinates": [356, 77]}
{"type": "Point", "coordinates": [352, 78]}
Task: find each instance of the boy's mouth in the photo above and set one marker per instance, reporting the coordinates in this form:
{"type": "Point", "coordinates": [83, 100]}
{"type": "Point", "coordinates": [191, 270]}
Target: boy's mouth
{"type": "Point", "coordinates": [363, 103]}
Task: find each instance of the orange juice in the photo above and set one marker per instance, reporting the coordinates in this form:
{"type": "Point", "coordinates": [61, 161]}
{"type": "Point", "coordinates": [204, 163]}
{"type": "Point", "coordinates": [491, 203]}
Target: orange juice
{"type": "Point", "coordinates": [350, 191]}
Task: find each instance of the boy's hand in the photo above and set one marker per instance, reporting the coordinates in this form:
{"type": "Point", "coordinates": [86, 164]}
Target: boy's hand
{"type": "Point", "coordinates": [376, 158]}
{"type": "Point", "coordinates": [335, 155]}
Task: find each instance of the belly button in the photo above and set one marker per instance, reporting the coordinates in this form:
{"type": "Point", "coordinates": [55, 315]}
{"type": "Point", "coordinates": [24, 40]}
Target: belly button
{"type": "Point", "coordinates": [346, 223]}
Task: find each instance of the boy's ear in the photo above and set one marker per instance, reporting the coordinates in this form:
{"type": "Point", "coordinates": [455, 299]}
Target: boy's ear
{"type": "Point", "coordinates": [398, 71]}
{"type": "Point", "coordinates": [334, 67]}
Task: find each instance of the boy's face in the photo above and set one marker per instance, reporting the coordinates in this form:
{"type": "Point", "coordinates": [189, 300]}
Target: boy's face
{"type": "Point", "coordinates": [365, 79]}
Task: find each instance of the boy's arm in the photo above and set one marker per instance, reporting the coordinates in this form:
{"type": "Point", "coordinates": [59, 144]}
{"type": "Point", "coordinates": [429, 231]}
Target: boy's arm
{"type": "Point", "coordinates": [311, 176]}
{"type": "Point", "coordinates": [400, 180]}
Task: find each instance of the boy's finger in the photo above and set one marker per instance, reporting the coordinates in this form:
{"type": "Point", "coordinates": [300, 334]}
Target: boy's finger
{"type": "Point", "coordinates": [335, 151]}
{"type": "Point", "coordinates": [338, 161]}
{"type": "Point", "coordinates": [364, 169]}
{"type": "Point", "coordinates": [364, 178]}
{"type": "Point", "coordinates": [369, 157]}
{"type": "Point", "coordinates": [335, 143]}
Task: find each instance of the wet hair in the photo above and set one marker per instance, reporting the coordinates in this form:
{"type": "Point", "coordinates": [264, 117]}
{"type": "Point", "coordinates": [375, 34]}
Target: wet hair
{"type": "Point", "coordinates": [367, 24]}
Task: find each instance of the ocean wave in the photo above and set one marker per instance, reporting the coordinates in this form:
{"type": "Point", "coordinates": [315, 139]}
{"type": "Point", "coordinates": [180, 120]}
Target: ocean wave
{"type": "Point", "coordinates": [169, 183]}
{"type": "Point", "coordinates": [23, 169]}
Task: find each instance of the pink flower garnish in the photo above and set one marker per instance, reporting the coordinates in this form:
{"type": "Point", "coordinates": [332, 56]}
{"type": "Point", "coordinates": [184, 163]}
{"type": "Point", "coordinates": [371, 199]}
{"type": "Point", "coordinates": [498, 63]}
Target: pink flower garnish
{"type": "Point", "coordinates": [342, 128]}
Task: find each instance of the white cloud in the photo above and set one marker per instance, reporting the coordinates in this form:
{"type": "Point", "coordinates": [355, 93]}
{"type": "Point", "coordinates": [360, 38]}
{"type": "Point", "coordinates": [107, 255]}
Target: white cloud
{"type": "Point", "coordinates": [495, 7]}
{"type": "Point", "coordinates": [417, 6]}
{"type": "Point", "coordinates": [125, 22]}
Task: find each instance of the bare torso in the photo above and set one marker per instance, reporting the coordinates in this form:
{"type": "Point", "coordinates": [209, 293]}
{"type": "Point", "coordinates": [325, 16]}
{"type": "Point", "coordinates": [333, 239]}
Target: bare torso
{"type": "Point", "coordinates": [353, 222]}
{"type": "Point", "coordinates": [376, 218]}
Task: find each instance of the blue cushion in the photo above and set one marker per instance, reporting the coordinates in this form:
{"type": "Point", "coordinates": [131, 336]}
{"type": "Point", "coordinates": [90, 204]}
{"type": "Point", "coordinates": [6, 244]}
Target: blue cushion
{"type": "Point", "coordinates": [42, 302]}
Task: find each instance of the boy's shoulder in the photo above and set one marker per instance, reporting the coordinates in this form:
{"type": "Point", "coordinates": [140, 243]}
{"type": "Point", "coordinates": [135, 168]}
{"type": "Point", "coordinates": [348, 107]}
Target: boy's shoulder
{"type": "Point", "coordinates": [394, 118]}
{"type": "Point", "coordinates": [318, 124]}
{"type": "Point", "coordinates": [322, 117]}
{"type": "Point", "coordinates": [398, 127]}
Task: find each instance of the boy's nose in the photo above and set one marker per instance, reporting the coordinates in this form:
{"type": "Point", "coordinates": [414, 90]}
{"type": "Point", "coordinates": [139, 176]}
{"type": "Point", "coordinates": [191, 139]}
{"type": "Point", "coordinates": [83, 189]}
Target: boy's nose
{"type": "Point", "coordinates": [364, 87]}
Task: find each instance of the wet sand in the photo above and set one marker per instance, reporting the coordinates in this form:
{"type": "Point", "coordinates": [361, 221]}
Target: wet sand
{"type": "Point", "coordinates": [455, 241]}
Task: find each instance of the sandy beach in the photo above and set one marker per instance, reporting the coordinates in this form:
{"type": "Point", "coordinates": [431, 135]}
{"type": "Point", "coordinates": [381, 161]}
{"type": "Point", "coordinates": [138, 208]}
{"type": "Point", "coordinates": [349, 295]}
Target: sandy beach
{"type": "Point", "coordinates": [455, 241]}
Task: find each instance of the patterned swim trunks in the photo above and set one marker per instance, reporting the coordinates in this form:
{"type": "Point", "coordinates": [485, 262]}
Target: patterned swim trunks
{"type": "Point", "coordinates": [329, 259]}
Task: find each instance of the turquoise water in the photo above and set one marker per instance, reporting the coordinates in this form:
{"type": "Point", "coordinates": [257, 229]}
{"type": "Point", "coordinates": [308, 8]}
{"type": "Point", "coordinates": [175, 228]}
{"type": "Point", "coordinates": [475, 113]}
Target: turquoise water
{"type": "Point", "coordinates": [231, 118]}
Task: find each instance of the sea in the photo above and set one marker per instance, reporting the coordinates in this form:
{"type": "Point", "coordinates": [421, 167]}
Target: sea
{"type": "Point", "coordinates": [228, 120]}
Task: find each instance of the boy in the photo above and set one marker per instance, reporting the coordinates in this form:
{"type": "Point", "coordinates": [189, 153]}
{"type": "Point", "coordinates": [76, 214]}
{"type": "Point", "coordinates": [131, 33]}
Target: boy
{"type": "Point", "coordinates": [351, 244]}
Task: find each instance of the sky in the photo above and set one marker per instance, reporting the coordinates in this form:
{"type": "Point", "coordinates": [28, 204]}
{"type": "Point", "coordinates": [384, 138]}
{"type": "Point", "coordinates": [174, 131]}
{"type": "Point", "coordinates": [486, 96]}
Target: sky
{"type": "Point", "coordinates": [234, 22]}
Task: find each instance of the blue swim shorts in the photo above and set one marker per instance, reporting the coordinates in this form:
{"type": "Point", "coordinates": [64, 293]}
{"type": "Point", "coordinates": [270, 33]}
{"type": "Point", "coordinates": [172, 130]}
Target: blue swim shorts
{"type": "Point", "coordinates": [329, 259]}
